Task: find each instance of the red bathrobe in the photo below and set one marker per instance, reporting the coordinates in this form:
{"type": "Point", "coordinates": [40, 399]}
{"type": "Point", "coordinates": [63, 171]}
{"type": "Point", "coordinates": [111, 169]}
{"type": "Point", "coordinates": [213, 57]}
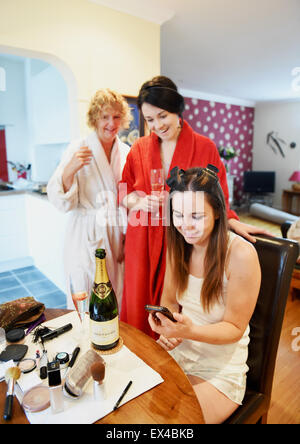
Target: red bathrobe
{"type": "Point", "coordinates": [145, 246]}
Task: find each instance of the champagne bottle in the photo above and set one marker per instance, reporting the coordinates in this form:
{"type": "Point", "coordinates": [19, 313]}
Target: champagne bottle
{"type": "Point", "coordinates": [104, 320]}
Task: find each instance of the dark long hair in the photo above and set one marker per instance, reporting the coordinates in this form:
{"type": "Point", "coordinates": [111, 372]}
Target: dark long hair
{"type": "Point", "coordinates": [179, 251]}
{"type": "Point", "coordinates": [162, 93]}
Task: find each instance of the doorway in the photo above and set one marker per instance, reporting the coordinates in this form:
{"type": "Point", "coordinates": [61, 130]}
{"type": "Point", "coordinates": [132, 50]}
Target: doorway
{"type": "Point", "coordinates": [3, 157]}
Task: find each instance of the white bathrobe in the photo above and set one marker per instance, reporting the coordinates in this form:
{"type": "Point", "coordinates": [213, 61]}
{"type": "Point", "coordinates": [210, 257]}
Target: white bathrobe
{"type": "Point", "coordinates": [95, 219]}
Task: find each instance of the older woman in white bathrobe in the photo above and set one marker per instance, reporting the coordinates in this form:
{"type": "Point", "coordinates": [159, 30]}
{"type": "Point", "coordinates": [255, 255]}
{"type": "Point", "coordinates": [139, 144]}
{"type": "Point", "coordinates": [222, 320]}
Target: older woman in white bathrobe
{"type": "Point", "coordinates": [85, 184]}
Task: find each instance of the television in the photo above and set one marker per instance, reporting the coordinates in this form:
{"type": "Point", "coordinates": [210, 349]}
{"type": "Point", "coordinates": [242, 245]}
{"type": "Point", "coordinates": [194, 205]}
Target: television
{"type": "Point", "coordinates": [259, 182]}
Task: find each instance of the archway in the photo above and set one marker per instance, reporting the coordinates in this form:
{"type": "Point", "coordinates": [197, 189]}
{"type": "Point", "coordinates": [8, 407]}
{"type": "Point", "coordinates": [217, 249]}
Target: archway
{"type": "Point", "coordinates": [39, 110]}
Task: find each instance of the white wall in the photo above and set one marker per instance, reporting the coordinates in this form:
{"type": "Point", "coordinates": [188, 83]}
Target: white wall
{"type": "Point", "coordinates": [103, 48]}
{"type": "Point", "coordinates": [49, 95]}
{"type": "Point", "coordinates": [284, 118]}
{"type": "Point", "coordinates": [49, 120]}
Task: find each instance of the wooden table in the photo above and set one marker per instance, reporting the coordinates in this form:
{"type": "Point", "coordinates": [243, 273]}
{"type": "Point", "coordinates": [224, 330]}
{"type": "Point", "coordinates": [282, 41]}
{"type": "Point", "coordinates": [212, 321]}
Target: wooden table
{"type": "Point", "coordinates": [172, 402]}
{"type": "Point", "coordinates": [288, 196]}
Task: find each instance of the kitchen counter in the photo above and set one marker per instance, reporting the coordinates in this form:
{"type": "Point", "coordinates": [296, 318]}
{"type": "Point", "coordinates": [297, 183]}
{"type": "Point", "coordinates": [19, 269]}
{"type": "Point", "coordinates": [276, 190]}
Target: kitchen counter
{"type": "Point", "coordinates": [14, 192]}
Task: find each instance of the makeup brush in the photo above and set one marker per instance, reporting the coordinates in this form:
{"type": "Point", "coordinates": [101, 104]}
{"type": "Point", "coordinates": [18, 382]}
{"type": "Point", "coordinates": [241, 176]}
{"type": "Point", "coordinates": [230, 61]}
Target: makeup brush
{"type": "Point", "coordinates": [98, 375]}
{"type": "Point", "coordinates": [11, 375]}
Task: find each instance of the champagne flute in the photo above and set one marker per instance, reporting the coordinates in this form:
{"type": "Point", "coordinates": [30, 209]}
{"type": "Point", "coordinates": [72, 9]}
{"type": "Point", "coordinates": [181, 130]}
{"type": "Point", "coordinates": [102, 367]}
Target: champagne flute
{"type": "Point", "coordinates": [157, 180]}
{"type": "Point", "coordinates": [78, 281]}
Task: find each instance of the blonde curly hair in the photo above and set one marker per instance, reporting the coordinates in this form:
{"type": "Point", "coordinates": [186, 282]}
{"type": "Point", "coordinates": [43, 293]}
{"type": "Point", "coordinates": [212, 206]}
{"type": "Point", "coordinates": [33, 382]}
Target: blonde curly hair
{"type": "Point", "coordinates": [106, 98]}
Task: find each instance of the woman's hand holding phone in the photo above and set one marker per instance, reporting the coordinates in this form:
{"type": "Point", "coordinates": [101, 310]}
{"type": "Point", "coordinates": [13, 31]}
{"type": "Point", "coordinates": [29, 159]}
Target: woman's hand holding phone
{"type": "Point", "coordinates": [167, 343]}
{"type": "Point", "coordinates": [171, 332]}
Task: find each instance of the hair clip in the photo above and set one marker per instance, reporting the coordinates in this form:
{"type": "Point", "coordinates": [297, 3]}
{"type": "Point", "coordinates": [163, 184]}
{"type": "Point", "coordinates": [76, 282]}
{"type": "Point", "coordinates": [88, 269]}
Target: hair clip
{"type": "Point", "coordinates": [212, 171]}
{"type": "Point", "coordinates": [212, 168]}
{"type": "Point", "coordinates": [175, 173]}
{"type": "Point", "coordinates": [172, 181]}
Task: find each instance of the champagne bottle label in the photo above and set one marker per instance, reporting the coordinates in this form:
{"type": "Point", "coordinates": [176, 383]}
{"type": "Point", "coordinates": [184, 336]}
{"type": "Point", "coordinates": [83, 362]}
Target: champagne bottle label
{"type": "Point", "coordinates": [102, 290]}
{"type": "Point", "coordinates": [104, 333]}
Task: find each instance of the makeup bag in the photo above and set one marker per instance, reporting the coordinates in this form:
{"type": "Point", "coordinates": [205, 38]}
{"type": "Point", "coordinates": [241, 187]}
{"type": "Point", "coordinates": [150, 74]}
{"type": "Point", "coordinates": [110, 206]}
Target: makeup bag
{"type": "Point", "coordinates": [20, 313]}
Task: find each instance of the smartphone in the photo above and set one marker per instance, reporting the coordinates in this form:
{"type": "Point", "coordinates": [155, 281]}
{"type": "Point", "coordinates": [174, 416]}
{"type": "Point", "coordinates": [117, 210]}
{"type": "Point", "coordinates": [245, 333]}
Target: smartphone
{"type": "Point", "coordinates": [159, 309]}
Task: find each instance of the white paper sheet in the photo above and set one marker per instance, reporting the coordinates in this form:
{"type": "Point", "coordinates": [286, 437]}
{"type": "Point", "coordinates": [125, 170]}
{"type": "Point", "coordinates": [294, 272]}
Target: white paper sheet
{"type": "Point", "coordinates": [5, 366]}
{"type": "Point", "coordinates": [121, 367]}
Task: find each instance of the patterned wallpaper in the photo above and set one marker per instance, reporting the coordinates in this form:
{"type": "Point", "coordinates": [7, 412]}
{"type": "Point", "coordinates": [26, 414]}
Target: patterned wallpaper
{"type": "Point", "coordinates": [227, 125]}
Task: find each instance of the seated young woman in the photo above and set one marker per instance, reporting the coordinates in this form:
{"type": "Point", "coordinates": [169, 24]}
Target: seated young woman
{"type": "Point", "coordinates": [211, 286]}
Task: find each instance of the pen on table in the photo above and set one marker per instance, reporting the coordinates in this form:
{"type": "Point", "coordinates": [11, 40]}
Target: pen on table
{"type": "Point", "coordinates": [123, 394]}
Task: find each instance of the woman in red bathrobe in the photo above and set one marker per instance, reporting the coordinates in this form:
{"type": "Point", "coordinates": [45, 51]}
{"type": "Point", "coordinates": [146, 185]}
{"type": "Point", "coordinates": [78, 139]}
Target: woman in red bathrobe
{"type": "Point", "coordinates": [172, 142]}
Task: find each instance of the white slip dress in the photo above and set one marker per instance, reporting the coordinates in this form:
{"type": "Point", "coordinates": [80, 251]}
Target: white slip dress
{"type": "Point", "coordinates": [223, 366]}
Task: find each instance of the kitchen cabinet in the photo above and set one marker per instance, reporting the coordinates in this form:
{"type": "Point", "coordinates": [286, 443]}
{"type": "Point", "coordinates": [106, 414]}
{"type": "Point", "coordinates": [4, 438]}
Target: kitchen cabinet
{"type": "Point", "coordinates": [32, 232]}
{"type": "Point", "coordinates": [46, 232]}
{"type": "Point", "coordinates": [13, 228]}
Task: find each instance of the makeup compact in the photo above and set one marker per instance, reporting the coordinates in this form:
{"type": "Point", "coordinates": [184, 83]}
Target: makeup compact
{"type": "Point", "coordinates": [27, 365]}
{"type": "Point", "coordinates": [16, 352]}
{"type": "Point", "coordinates": [36, 399]}
{"type": "Point", "coordinates": [63, 358]}
{"type": "Point", "coordinates": [16, 335]}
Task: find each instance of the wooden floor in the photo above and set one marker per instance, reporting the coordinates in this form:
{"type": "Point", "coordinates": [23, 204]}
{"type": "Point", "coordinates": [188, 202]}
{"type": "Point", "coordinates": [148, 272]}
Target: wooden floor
{"type": "Point", "coordinates": [285, 403]}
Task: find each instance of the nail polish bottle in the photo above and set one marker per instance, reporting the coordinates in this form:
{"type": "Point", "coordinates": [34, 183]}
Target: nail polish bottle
{"type": "Point", "coordinates": [55, 387]}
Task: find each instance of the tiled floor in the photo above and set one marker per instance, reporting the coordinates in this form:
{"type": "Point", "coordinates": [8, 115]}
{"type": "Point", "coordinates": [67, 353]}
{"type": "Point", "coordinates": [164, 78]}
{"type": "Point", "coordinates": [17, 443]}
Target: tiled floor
{"type": "Point", "coordinates": [30, 281]}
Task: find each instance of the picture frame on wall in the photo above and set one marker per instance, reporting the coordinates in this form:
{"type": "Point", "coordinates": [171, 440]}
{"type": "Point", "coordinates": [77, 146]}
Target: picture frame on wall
{"type": "Point", "coordinates": [137, 125]}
